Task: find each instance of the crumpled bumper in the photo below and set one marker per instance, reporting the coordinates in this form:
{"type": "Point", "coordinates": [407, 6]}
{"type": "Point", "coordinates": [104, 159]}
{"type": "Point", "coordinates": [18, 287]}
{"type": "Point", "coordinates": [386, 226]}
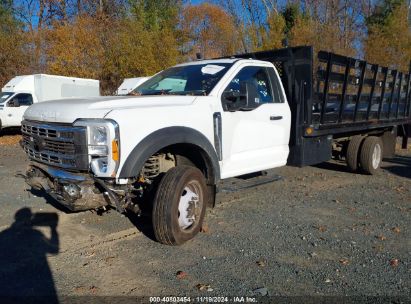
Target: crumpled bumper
{"type": "Point", "coordinates": [75, 191]}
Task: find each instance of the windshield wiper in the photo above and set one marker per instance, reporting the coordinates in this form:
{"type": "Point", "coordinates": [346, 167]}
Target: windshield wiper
{"type": "Point", "coordinates": [191, 92]}
{"type": "Point", "coordinates": [168, 92]}
{"type": "Point", "coordinates": [156, 92]}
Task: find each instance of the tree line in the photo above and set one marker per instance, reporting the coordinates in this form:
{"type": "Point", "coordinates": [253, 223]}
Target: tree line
{"type": "Point", "coordinates": [111, 40]}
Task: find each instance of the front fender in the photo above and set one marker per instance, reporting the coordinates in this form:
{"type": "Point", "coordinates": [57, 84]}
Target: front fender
{"type": "Point", "coordinates": [166, 137]}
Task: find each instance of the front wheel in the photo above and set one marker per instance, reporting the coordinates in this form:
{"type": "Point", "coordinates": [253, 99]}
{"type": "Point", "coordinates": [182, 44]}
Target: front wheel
{"type": "Point", "coordinates": [179, 205]}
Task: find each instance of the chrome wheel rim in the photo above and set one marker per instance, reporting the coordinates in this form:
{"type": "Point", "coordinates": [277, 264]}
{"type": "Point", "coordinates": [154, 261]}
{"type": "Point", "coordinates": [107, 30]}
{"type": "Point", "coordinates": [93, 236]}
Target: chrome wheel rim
{"type": "Point", "coordinates": [376, 156]}
{"type": "Point", "coordinates": [189, 206]}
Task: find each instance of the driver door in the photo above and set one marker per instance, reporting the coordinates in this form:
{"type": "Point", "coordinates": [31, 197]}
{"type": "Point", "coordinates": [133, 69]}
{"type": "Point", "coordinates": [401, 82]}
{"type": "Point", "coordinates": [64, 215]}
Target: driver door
{"type": "Point", "coordinates": [15, 108]}
{"type": "Point", "coordinates": [254, 137]}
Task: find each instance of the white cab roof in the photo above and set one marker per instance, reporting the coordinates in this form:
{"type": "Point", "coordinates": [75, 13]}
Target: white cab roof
{"type": "Point", "coordinates": [217, 61]}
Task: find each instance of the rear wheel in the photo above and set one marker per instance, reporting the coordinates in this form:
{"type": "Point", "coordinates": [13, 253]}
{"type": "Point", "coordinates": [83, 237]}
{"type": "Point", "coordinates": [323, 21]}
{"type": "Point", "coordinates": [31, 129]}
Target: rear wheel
{"type": "Point", "coordinates": [371, 154]}
{"type": "Point", "coordinates": [352, 156]}
{"type": "Point", "coordinates": [179, 205]}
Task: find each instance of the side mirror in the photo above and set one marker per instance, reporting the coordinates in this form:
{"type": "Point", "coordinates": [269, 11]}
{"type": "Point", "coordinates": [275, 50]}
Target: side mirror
{"type": "Point", "coordinates": [246, 99]}
{"type": "Point", "coordinates": [232, 95]}
{"type": "Point", "coordinates": [14, 103]}
{"type": "Point", "coordinates": [235, 100]}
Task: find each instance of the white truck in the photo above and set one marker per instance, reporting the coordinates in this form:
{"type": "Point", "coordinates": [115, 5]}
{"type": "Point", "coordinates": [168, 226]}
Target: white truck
{"type": "Point", "coordinates": [22, 91]}
{"type": "Point", "coordinates": [129, 84]}
{"type": "Point", "coordinates": [198, 123]}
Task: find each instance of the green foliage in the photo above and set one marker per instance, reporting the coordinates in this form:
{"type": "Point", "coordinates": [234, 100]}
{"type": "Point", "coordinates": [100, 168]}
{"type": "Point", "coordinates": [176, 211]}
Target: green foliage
{"type": "Point", "coordinates": [7, 21]}
{"type": "Point", "coordinates": [156, 14]}
{"type": "Point", "coordinates": [273, 37]}
{"type": "Point", "coordinates": [84, 48]}
{"type": "Point", "coordinates": [134, 51]}
{"type": "Point", "coordinates": [389, 43]}
{"type": "Point", "coordinates": [383, 11]}
{"type": "Point", "coordinates": [290, 14]}
{"type": "Point", "coordinates": [6, 7]}
{"type": "Point", "coordinates": [12, 42]}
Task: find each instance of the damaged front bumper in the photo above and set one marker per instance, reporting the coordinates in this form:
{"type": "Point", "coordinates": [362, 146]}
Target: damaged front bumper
{"type": "Point", "coordinates": [75, 191]}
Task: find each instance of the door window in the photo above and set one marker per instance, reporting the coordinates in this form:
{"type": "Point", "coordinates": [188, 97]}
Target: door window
{"type": "Point", "coordinates": [24, 99]}
{"type": "Point", "coordinates": [4, 96]}
{"type": "Point", "coordinates": [258, 79]}
{"type": "Point", "coordinates": [276, 86]}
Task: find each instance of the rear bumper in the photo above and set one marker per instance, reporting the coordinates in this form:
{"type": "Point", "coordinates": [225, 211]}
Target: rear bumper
{"type": "Point", "coordinates": [75, 191]}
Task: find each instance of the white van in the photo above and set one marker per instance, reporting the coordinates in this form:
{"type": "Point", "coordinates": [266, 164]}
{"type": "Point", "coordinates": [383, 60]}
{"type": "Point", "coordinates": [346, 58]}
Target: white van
{"type": "Point", "coordinates": [22, 91]}
{"type": "Point", "coordinates": [129, 84]}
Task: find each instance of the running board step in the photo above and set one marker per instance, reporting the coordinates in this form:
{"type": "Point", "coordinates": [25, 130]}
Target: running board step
{"type": "Point", "coordinates": [247, 181]}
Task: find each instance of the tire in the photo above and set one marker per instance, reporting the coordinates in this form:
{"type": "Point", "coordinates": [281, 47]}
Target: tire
{"type": "Point", "coordinates": [371, 154]}
{"type": "Point", "coordinates": [352, 155]}
{"type": "Point", "coordinates": [183, 161]}
{"type": "Point", "coordinates": [170, 226]}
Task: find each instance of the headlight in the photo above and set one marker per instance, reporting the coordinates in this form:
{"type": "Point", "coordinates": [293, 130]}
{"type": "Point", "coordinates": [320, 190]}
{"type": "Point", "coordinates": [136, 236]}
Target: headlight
{"type": "Point", "coordinates": [98, 135]}
{"type": "Point", "coordinates": [103, 143]}
{"type": "Point", "coordinates": [98, 140]}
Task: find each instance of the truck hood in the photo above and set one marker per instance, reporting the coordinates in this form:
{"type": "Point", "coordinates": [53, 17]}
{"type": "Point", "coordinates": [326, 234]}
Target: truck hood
{"type": "Point", "coordinates": [68, 110]}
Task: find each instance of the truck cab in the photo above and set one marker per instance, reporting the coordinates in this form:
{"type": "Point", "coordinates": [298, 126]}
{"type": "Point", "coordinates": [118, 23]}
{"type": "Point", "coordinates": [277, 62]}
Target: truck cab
{"type": "Point", "coordinates": [16, 96]}
{"type": "Point", "coordinates": [13, 105]}
{"type": "Point", "coordinates": [189, 127]}
{"type": "Point", "coordinates": [22, 91]}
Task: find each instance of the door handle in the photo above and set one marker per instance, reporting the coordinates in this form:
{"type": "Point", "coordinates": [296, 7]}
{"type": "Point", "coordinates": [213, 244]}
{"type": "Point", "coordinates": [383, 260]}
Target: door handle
{"type": "Point", "coordinates": [276, 117]}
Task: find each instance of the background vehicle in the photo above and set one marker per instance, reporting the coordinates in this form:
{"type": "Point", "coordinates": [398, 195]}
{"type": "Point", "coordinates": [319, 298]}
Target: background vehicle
{"type": "Point", "coordinates": [129, 84]}
{"type": "Point", "coordinates": [22, 91]}
{"type": "Point", "coordinates": [194, 125]}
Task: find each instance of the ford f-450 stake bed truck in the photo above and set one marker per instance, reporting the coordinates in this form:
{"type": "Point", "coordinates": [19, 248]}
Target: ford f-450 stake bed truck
{"type": "Point", "coordinates": [198, 123]}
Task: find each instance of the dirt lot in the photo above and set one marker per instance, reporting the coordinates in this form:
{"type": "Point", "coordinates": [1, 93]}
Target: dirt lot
{"type": "Point", "coordinates": [319, 231]}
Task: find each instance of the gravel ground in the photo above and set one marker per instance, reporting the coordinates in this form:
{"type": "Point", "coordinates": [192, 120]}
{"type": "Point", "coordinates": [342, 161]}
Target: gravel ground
{"type": "Point", "coordinates": [320, 231]}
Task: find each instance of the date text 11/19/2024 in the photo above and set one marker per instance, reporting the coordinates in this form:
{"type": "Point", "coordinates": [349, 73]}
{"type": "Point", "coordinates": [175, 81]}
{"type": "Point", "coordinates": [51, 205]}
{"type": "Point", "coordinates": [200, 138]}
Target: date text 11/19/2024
{"type": "Point", "coordinates": [174, 299]}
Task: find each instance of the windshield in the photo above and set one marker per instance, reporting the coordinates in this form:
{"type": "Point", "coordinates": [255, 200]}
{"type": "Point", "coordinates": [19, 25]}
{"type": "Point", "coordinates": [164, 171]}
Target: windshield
{"type": "Point", "coordinates": [197, 79]}
{"type": "Point", "coordinates": [4, 96]}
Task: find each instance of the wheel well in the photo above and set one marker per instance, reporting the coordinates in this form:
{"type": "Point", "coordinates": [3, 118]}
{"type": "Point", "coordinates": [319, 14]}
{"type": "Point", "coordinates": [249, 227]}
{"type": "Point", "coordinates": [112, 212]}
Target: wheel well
{"type": "Point", "coordinates": [183, 154]}
{"type": "Point", "coordinates": [190, 154]}
{"type": "Point", "coordinates": [183, 141]}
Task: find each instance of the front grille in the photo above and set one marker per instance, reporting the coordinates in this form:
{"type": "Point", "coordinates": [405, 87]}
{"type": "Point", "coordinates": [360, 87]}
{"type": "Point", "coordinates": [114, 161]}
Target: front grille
{"type": "Point", "coordinates": [50, 158]}
{"type": "Point", "coordinates": [55, 144]}
{"type": "Point", "coordinates": [39, 130]}
{"type": "Point", "coordinates": [61, 133]}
